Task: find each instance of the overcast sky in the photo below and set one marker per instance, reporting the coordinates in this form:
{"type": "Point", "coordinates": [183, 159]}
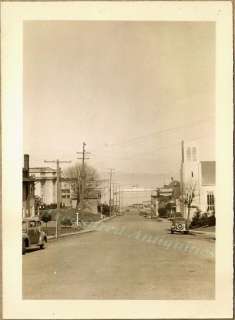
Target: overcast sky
{"type": "Point", "coordinates": [130, 90]}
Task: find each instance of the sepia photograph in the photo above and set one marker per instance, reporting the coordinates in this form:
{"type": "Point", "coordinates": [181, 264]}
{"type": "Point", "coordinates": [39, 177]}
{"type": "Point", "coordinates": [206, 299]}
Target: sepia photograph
{"type": "Point", "coordinates": [120, 151]}
{"type": "Point", "coordinates": [119, 135]}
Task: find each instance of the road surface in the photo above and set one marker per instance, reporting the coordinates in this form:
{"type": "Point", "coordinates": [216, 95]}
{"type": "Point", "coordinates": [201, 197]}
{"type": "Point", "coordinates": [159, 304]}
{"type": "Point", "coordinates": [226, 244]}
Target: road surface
{"type": "Point", "coordinates": [128, 257]}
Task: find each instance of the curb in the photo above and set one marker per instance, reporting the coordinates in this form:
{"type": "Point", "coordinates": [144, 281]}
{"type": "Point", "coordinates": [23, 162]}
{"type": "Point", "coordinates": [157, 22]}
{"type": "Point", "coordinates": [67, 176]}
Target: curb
{"type": "Point", "coordinates": [69, 234]}
{"type": "Point", "coordinates": [82, 231]}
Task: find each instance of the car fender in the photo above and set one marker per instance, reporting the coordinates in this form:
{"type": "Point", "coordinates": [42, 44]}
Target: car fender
{"type": "Point", "coordinates": [43, 237]}
{"type": "Point", "coordinates": [25, 238]}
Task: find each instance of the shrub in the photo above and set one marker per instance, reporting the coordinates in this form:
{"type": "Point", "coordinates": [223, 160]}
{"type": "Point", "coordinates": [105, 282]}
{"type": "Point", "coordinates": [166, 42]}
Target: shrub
{"type": "Point", "coordinates": [66, 222]}
{"type": "Point", "coordinates": [211, 220]}
{"type": "Point", "coordinates": [105, 210]}
{"type": "Point", "coordinates": [195, 220]}
{"type": "Point", "coordinates": [202, 220]}
{"type": "Point", "coordinates": [162, 212]}
{"type": "Point", "coordinates": [45, 217]}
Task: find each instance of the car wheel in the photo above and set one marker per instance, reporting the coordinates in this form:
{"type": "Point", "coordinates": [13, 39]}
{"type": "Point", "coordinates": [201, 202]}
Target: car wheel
{"type": "Point", "coordinates": [23, 247]}
{"type": "Point", "coordinates": [43, 245]}
{"type": "Point", "coordinates": [172, 231]}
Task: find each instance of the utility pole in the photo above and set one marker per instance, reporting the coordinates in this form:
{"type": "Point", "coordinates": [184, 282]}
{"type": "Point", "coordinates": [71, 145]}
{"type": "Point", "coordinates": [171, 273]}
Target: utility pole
{"type": "Point", "coordinates": [115, 197]}
{"type": "Point", "coordinates": [110, 191]}
{"type": "Point", "coordinates": [58, 187]}
{"type": "Point", "coordinates": [83, 172]}
{"type": "Point", "coordinates": [119, 199]}
{"type": "Point", "coordinates": [182, 178]}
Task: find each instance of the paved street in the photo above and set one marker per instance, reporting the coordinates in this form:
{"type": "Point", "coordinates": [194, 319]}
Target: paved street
{"type": "Point", "coordinates": [128, 257]}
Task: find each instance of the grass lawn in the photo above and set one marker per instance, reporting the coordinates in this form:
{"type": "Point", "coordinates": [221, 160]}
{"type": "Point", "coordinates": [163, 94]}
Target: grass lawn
{"type": "Point", "coordinates": [71, 214]}
{"type": "Point", "coordinates": [51, 229]}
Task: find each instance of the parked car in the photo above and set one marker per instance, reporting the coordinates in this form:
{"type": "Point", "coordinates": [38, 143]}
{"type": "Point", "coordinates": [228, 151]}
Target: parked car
{"type": "Point", "coordinates": [179, 224]}
{"type": "Point", "coordinates": [32, 235]}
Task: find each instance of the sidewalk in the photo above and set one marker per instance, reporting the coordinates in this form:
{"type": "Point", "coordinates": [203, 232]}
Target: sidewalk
{"type": "Point", "coordinates": [91, 225]}
{"type": "Point", "coordinates": [208, 232]}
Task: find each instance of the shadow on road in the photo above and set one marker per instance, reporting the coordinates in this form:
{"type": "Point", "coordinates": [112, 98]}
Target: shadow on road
{"type": "Point", "coordinates": [33, 249]}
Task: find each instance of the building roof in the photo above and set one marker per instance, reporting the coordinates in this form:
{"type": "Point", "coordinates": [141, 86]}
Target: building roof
{"type": "Point", "coordinates": [41, 169]}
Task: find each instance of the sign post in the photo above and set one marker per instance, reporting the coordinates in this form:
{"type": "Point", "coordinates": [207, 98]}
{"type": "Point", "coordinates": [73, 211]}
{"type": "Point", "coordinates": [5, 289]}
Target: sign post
{"type": "Point", "coordinates": [78, 213]}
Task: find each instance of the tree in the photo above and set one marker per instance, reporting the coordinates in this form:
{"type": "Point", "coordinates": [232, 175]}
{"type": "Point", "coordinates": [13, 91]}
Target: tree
{"type": "Point", "coordinates": [189, 196]}
{"type": "Point", "coordinates": [196, 219]}
{"type": "Point", "coordinates": [66, 222]}
{"type": "Point", "coordinates": [162, 212]}
{"type": "Point", "coordinates": [91, 179]}
{"type": "Point", "coordinates": [175, 185]}
{"type": "Point", "coordinates": [46, 217]}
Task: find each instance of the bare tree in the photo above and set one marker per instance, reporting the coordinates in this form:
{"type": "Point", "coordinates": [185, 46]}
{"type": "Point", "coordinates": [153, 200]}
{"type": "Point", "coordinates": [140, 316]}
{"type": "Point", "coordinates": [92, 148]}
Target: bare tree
{"type": "Point", "coordinates": [91, 179]}
{"type": "Point", "coordinates": [189, 195]}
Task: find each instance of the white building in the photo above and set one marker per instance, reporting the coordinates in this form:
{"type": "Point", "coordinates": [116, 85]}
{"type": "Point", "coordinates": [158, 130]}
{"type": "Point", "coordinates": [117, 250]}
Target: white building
{"type": "Point", "coordinates": [207, 185]}
{"type": "Point", "coordinates": [199, 179]}
{"type": "Point", "coordinates": [45, 184]}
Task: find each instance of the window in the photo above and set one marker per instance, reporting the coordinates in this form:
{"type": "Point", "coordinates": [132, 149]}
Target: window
{"type": "Point", "coordinates": [210, 201]}
{"type": "Point", "coordinates": [65, 190]}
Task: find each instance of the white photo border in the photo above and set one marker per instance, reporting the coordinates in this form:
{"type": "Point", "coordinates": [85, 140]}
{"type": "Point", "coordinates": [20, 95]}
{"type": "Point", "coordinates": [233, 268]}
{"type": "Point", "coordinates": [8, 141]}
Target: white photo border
{"type": "Point", "coordinates": [13, 15]}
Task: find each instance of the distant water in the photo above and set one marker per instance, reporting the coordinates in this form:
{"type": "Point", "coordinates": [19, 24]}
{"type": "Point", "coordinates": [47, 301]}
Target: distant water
{"type": "Point", "coordinates": [136, 183]}
{"type": "Point", "coordinates": [145, 180]}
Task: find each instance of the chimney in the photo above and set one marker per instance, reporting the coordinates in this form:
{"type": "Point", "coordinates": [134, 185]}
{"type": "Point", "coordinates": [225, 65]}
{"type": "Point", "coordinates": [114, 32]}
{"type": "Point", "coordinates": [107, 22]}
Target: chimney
{"type": "Point", "coordinates": [26, 164]}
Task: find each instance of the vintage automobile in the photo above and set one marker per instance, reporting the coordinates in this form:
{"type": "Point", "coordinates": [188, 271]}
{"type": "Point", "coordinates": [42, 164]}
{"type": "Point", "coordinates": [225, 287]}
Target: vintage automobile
{"type": "Point", "coordinates": [179, 224]}
{"type": "Point", "coordinates": [32, 235]}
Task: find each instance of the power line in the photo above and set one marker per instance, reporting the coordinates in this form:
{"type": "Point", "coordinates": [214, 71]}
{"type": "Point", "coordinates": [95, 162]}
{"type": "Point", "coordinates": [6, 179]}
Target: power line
{"type": "Point", "coordinates": [127, 142]}
{"type": "Point", "coordinates": [137, 153]}
{"type": "Point", "coordinates": [144, 154]}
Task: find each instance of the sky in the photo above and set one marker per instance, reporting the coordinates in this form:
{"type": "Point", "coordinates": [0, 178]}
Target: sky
{"type": "Point", "coordinates": [131, 90]}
